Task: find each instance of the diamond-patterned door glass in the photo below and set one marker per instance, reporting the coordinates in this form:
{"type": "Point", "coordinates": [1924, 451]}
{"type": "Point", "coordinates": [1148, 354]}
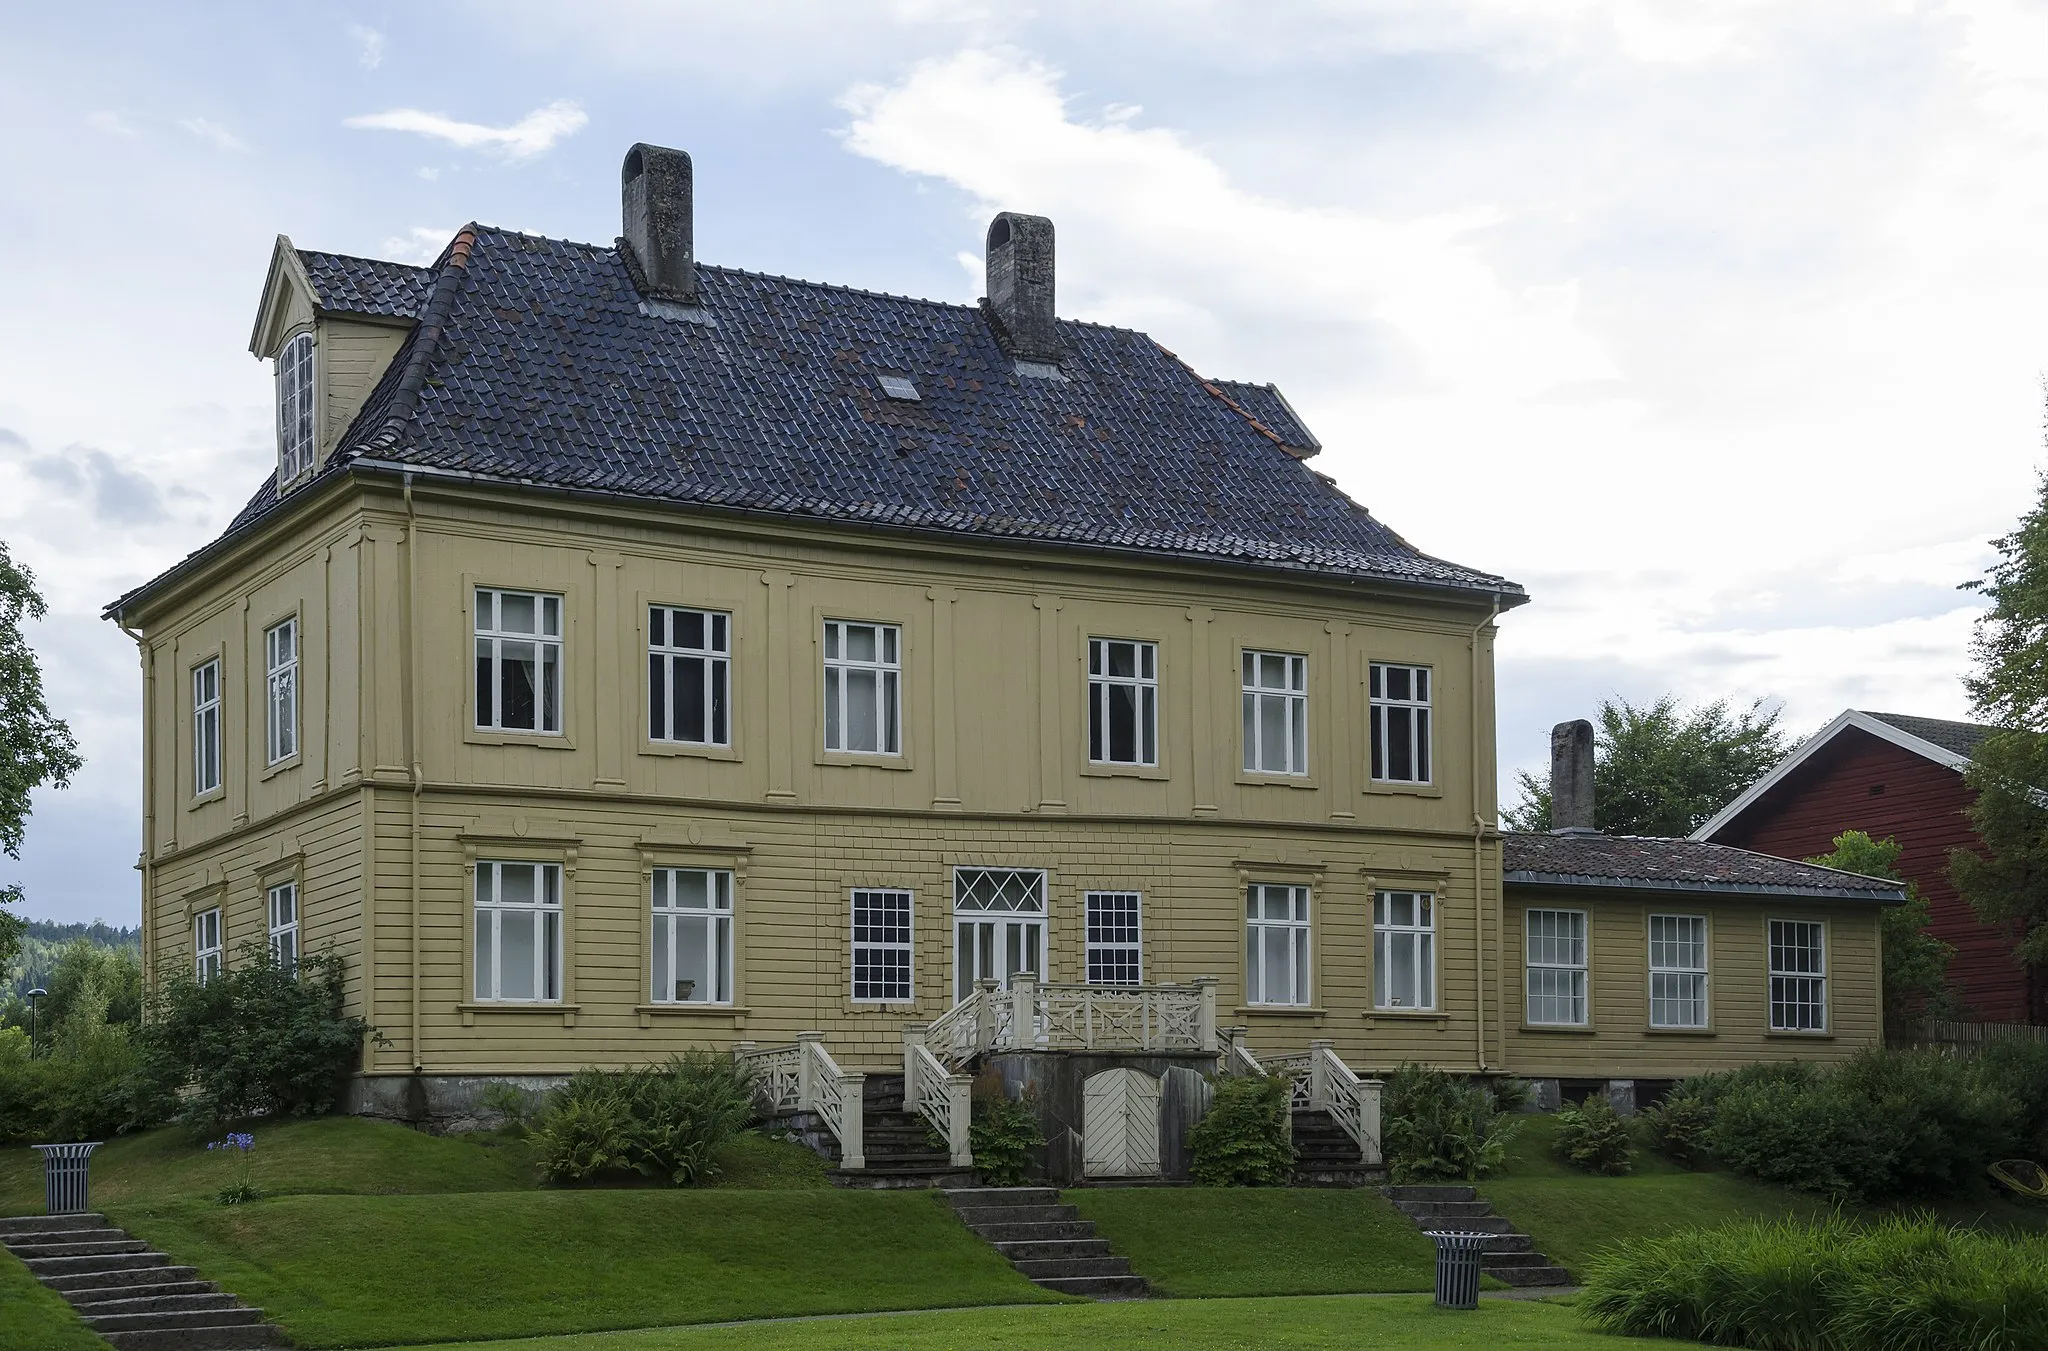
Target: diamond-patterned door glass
{"type": "Point", "coordinates": [1000, 890]}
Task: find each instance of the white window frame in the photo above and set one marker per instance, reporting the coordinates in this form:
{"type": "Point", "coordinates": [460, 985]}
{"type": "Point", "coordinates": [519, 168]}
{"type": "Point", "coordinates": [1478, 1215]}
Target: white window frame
{"type": "Point", "coordinates": [1293, 932]}
{"type": "Point", "coordinates": [1414, 712]}
{"type": "Point", "coordinates": [670, 920]}
{"type": "Point", "coordinates": [281, 684]}
{"type": "Point", "coordinates": [1796, 987]}
{"type": "Point", "coordinates": [1418, 935]}
{"type": "Point", "coordinates": [281, 907]}
{"type": "Point", "coordinates": [1291, 696]}
{"type": "Point", "coordinates": [548, 926]}
{"type": "Point", "coordinates": [1111, 944]}
{"type": "Point", "coordinates": [887, 671]}
{"type": "Point", "coordinates": [207, 774]}
{"type": "Point", "coordinates": [1141, 687]}
{"type": "Point", "coordinates": [549, 667]}
{"type": "Point", "coordinates": [874, 939]}
{"type": "Point", "coordinates": [209, 950]}
{"type": "Point", "coordinates": [668, 662]}
{"type": "Point", "coordinates": [1576, 970]}
{"type": "Point", "coordinates": [297, 412]}
{"type": "Point", "coordinates": [1678, 971]}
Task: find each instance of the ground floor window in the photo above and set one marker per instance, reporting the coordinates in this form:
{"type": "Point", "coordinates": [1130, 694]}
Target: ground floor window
{"type": "Point", "coordinates": [1276, 944]}
{"type": "Point", "coordinates": [881, 945]}
{"type": "Point", "coordinates": [1678, 971]}
{"type": "Point", "coordinates": [1557, 967]}
{"type": "Point", "coordinates": [1113, 944]}
{"type": "Point", "coordinates": [998, 926]}
{"type": "Point", "coordinates": [207, 952]}
{"type": "Point", "coordinates": [692, 936]}
{"type": "Point", "coordinates": [1404, 950]}
{"type": "Point", "coordinates": [518, 932]}
{"type": "Point", "coordinates": [1799, 976]}
{"type": "Point", "coordinates": [284, 924]}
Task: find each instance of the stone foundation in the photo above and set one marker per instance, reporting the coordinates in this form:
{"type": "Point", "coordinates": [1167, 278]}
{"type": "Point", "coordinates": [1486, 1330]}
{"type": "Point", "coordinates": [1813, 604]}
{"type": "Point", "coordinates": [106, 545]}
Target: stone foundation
{"type": "Point", "coordinates": [438, 1102]}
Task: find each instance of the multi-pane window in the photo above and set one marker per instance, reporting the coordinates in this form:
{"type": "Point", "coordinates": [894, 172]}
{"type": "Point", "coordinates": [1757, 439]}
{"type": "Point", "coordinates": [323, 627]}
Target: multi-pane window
{"type": "Point", "coordinates": [1399, 700]}
{"type": "Point", "coordinates": [692, 936]}
{"type": "Point", "coordinates": [1404, 950]}
{"type": "Point", "coordinates": [207, 952]}
{"type": "Point", "coordinates": [881, 945]}
{"type": "Point", "coordinates": [1678, 971]}
{"type": "Point", "coordinates": [1276, 944]}
{"type": "Point", "coordinates": [1123, 702]}
{"type": "Point", "coordinates": [1799, 976]}
{"type": "Point", "coordinates": [283, 902]}
{"type": "Point", "coordinates": [1113, 943]}
{"type": "Point", "coordinates": [689, 660]}
{"type": "Point", "coordinates": [295, 409]}
{"type": "Point", "coordinates": [518, 661]}
{"type": "Point", "coordinates": [1275, 713]}
{"type": "Point", "coordinates": [281, 707]}
{"type": "Point", "coordinates": [205, 727]}
{"type": "Point", "coordinates": [863, 687]}
{"type": "Point", "coordinates": [1557, 967]}
{"type": "Point", "coordinates": [518, 932]}
{"type": "Point", "coordinates": [999, 919]}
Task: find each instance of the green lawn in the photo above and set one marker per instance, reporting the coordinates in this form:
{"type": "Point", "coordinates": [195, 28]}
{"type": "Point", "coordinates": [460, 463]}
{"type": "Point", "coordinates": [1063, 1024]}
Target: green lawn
{"type": "Point", "coordinates": [34, 1319]}
{"type": "Point", "coordinates": [374, 1270]}
{"type": "Point", "coordinates": [1360, 1323]}
{"type": "Point", "coordinates": [1195, 1242]}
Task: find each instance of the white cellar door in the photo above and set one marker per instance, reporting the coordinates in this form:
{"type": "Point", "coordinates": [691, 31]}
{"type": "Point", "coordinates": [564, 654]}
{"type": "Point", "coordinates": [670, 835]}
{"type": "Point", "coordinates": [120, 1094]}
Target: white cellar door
{"type": "Point", "coordinates": [1120, 1124]}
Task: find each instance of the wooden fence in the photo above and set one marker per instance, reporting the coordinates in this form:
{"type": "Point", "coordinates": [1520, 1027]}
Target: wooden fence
{"type": "Point", "coordinates": [1963, 1036]}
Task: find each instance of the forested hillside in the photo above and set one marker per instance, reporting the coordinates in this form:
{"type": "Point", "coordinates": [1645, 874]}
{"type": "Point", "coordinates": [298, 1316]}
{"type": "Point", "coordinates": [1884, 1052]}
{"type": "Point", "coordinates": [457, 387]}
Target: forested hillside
{"type": "Point", "coordinates": [46, 941]}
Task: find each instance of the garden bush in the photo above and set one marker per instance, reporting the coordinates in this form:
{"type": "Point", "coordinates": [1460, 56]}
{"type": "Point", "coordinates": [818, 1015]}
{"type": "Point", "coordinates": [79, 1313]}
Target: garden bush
{"type": "Point", "coordinates": [1245, 1139]}
{"type": "Point", "coordinates": [1677, 1126]}
{"type": "Point", "coordinates": [1437, 1128]}
{"type": "Point", "coordinates": [1003, 1134]}
{"type": "Point", "coordinates": [1906, 1283]}
{"type": "Point", "coordinates": [664, 1121]}
{"type": "Point", "coordinates": [1594, 1139]}
{"type": "Point", "coordinates": [89, 1080]}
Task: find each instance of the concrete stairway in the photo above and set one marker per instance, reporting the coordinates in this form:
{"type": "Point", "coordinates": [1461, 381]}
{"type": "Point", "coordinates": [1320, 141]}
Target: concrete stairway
{"type": "Point", "coordinates": [130, 1295]}
{"type": "Point", "coordinates": [1508, 1257]}
{"type": "Point", "coordinates": [1047, 1241]}
{"type": "Point", "coordinates": [1325, 1156]}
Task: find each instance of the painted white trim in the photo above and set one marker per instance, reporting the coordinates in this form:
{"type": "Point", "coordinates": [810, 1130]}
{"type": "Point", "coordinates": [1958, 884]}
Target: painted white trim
{"type": "Point", "coordinates": [1862, 722]}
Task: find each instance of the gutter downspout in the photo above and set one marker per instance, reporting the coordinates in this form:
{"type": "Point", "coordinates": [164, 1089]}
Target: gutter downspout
{"type": "Point", "coordinates": [148, 657]}
{"type": "Point", "coordinates": [1479, 850]}
{"type": "Point", "coordinates": [412, 759]}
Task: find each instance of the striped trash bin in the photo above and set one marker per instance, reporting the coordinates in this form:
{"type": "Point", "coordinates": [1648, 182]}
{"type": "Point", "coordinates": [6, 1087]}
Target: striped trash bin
{"type": "Point", "coordinates": [1457, 1268]}
{"type": "Point", "coordinates": [65, 1189]}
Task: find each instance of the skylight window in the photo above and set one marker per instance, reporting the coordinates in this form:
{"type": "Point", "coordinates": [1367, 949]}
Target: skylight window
{"type": "Point", "coordinates": [900, 387]}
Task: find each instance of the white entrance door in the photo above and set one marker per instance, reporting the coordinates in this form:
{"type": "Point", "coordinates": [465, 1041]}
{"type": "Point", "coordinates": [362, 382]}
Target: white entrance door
{"type": "Point", "coordinates": [998, 926]}
{"type": "Point", "coordinates": [1120, 1124]}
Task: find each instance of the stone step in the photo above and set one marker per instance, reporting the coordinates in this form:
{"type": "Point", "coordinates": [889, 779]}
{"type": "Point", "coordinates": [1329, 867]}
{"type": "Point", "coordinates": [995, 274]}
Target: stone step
{"type": "Point", "coordinates": [124, 1278]}
{"type": "Point", "coordinates": [98, 1247]}
{"type": "Point", "coordinates": [66, 1266]}
{"type": "Point", "coordinates": [96, 1233]}
{"type": "Point", "coordinates": [1432, 1193]}
{"type": "Point", "coordinates": [1049, 1249]}
{"type": "Point", "coordinates": [1060, 1268]}
{"type": "Point", "coordinates": [1500, 1259]}
{"type": "Point", "coordinates": [1529, 1276]}
{"type": "Point", "coordinates": [1508, 1243]}
{"type": "Point", "coordinates": [14, 1225]}
{"type": "Point", "coordinates": [1444, 1210]}
{"type": "Point", "coordinates": [898, 1180]}
{"type": "Point", "coordinates": [1030, 1232]}
{"type": "Point", "coordinates": [1475, 1224]}
{"type": "Point", "coordinates": [984, 1197]}
{"type": "Point", "coordinates": [219, 1337]}
{"type": "Point", "coordinates": [174, 1320]}
{"type": "Point", "coordinates": [109, 1294]}
{"type": "Point", "coordinates": [974, 1217]}
{"type": "Point", "coordinates": [1098, 1287]}
{"type": "Point", "coordinates": [154, 1303]}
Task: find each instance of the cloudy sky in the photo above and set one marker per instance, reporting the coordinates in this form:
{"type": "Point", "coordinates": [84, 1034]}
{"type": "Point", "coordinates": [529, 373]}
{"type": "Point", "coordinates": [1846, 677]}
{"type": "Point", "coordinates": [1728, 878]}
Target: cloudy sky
{"type": "Point", "coordinates": [1720, 326]}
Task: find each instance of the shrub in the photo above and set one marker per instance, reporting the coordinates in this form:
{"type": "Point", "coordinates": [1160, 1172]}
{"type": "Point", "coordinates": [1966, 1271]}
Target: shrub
{"type": "Point", "coordinates": [1510, 1094]}
{"type": "Point", "coordinates": [257, 1039]}
{"type": "Point", "coordinates": [1004, 1135]}
{"type": "Point", "coordinates": [1594, 1139]}
{"type": "Point", "coordinates": [1438, 1129]}
{"type": "Point", "coordinates": [1244, 1140]}
{"type": "Point", "coordinates": [90, 1081]}
{"type": "Point", "coordinates": [2019, 1068]}
{"type": "Point", "coordinates": [585, 1130]}
{"type": "Point", "coordinates": [665, 1121]}
{"type": "Point", "coordinates": [1904, 1284]}
{"type": "Point", "coordinates": [1677, 1127]}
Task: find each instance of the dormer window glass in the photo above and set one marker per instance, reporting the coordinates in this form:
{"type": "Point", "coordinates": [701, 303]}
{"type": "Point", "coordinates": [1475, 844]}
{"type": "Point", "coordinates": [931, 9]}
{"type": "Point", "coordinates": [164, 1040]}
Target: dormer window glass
{"type": "Point", "coordinates": [294, 409]}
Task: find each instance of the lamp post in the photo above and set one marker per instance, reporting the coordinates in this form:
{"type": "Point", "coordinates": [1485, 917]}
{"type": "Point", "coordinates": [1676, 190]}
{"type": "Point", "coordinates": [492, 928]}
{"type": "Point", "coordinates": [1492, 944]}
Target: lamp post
{"type": "Point", "coordinates": [33, 995]}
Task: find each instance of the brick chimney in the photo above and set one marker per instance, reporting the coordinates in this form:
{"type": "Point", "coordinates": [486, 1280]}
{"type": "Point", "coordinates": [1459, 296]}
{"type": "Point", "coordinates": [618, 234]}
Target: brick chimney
{"type": "Point", "coordinates": [1571, 778]}
{"type": "Point", "coordinates": [1019, 259]}
{"type": "Point", "coordinates": [659, 234]}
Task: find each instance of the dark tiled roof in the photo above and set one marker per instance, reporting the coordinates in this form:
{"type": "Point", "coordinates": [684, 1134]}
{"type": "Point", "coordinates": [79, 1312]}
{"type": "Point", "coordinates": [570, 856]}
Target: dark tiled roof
{"type": "Point", "coordinates": [540, 366]}
{"type": "Point", "coordinates": [349, 285]}
{"type": "Point", "coordinates": [1959, 738]}
{"type": "Point", "coordinates": [1640, 863]}
{"type": "Point", "coordinates": [1265, 405]}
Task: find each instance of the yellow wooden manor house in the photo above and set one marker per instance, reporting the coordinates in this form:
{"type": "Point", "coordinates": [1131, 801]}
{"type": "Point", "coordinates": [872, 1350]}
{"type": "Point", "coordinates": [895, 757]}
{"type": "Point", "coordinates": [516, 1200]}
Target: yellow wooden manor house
{"type": "Point", "coordinates": [630, 655]}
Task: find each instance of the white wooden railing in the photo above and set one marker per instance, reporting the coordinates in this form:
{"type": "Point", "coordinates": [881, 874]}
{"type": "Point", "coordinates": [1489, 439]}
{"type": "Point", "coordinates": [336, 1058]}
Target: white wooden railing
{"type": "Point", "coordinates": [943, 1099]}
{"type": "Point", "coordinates": [805, 1078]}
{"type": "Point", "coordinates": [1318, 1080]}
{"type": "Point", "coordinates": [1033, 1015]}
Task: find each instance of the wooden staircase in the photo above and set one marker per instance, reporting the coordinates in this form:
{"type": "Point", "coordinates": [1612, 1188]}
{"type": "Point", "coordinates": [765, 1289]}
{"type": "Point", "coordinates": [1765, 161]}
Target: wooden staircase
{"type": "Point", "coordinates": [1508, 1256]}
{"type": "Point", "coordinates": [130, 1295]}
{"type": "Point", "coordinates": [898, 1145]}
{"type": "Point", "coordinates": [1325, 1155]}
{"type": "Point", "coordinates": [1047, 1241]}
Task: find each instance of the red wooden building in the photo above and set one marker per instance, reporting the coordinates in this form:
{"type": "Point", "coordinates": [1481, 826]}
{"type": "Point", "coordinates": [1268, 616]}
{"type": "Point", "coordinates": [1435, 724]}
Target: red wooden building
{"type": "Point", "coordinates": [1895, 777]}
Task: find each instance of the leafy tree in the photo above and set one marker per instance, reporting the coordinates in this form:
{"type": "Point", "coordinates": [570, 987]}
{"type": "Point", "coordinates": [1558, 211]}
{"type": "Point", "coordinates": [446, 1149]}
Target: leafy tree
{"type": "Point", "coordinates": [1660, 770]}
{"type": "Point", "coordinates": [35, 748]}
{"type": "Point", "coordinates": [1915, 961]}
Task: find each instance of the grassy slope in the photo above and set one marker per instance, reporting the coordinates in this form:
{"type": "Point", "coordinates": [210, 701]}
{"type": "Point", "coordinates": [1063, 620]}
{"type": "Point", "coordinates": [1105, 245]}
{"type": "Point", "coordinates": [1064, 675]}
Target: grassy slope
{"type": "Point", "coordinates": [1200, 1241]}
{"type": "Point", "coordinates": [372, 1270]}
{"type": "Point", "coordinates": [1399, 1323]}
{"type": "Point", "coordinates": [33, 1319]}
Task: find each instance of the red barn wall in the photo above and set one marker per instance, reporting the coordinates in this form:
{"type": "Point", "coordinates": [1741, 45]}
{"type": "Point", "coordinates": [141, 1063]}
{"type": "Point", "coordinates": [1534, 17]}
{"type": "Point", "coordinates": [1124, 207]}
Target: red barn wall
{"type": "Point", "coordinates": [1860, 782]}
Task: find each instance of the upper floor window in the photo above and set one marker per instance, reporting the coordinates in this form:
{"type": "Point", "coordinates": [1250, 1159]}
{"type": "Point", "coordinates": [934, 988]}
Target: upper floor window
{"type": "Point", "coordinates": [1799, 975]}
{"type": "Point", "coordinates": [518, 661]}
{"type": "Point", "coordinates": [1114, 951]}
{"type": "Point", "coordinates": [1678, 971]}
{"type": "Point", "coordinates": [1276, 944]}
{"type": "Point", "coordinates": [1123, 702]}
{"type": "Point", "coordinates": [1399, 697]}
{"type": "Point", "coordinates": [689, 659]}
{"type": "Point", "coordinates": [692, 936]}
{"type": "Point", "coordinates": [1275, 713]}
{"type": "Point", "coordinates": [207, 949]}
{"type": "Point", "coordinates": [1404, 950]}
{"type": "Point", "coordinates": [863, 687]}
{"type": "Point", "coordinates": [281, 708]}
{"type": "Point", "coordinates": [206, 727]}
{"type": "Point", "coordinates": [295, 409]}
{"type": "Point", "coordinates": [518, 932]}
{"type": "Point", "coordinates": [1557, 967]}
{"type": "Point", "coordinates": [283, 900]}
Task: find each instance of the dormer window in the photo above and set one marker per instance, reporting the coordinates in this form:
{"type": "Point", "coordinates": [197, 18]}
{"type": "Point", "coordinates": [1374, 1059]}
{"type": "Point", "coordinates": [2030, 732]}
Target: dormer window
{"type": "Point", "coordinates": [294, 409]}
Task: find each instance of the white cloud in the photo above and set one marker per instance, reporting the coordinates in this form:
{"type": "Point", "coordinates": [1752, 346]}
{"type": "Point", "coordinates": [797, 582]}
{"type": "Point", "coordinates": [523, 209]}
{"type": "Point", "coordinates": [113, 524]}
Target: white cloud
{"type": "Point", "coordinates": [214, 134]}
{"type": "Point", "coordinates": [428, 172]}
{"type": "Point", "coordinates": [531, 135]}
{"type": "Point", "coordinates": [369, 45]}
{"type": "Point", "coordinates": [421, 244]}
{"type": "Point", "coordinates": [108, 121]}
